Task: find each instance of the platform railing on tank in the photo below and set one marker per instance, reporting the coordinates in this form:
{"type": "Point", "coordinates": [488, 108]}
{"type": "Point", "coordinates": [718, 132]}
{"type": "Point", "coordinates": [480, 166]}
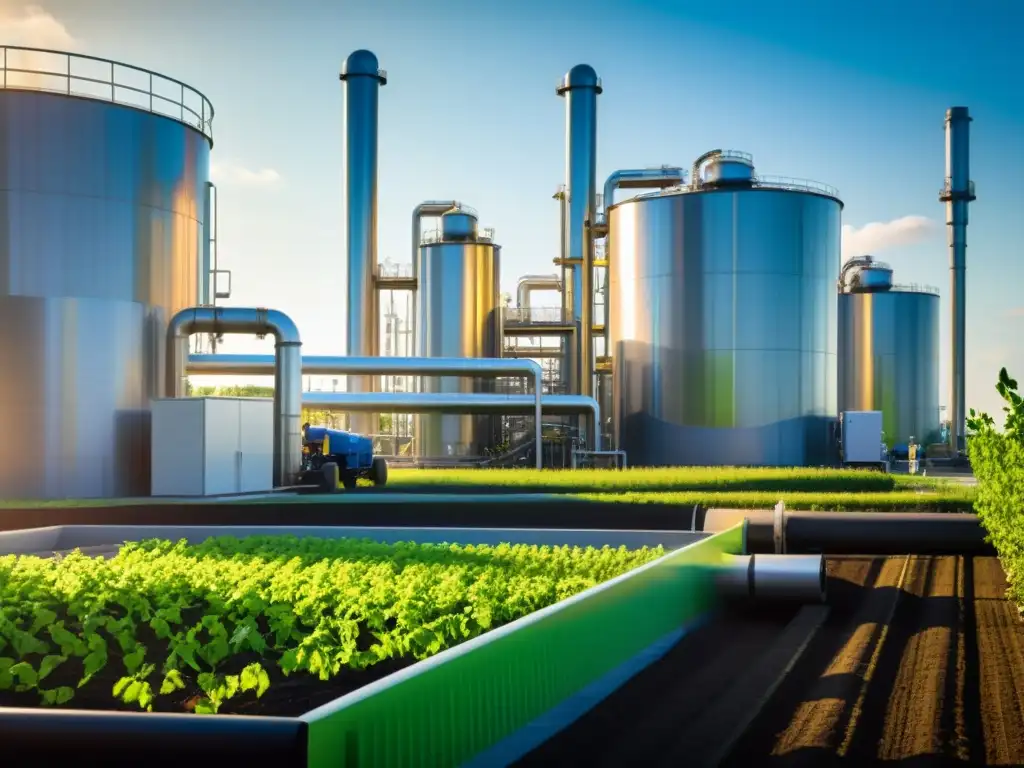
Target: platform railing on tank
{"type": "Point", "coordinates": [38, 69]}
{"type": "Point", "coordinates": [914, 288]}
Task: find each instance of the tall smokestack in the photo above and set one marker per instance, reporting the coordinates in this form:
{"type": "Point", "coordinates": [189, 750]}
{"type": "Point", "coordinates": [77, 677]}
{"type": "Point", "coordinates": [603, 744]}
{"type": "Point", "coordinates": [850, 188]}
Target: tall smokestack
{"type": "Point", "coordinates": [956, 193]}
{"type": "Point", "coordinates": [361, 78]}
{"type": "Point", "coordinates": [581, 87]}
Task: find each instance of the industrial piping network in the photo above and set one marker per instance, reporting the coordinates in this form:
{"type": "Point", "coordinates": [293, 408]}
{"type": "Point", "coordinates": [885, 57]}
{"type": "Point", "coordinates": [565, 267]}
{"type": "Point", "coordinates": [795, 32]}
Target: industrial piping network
{"type": "Point", "coordinates": [286, 365]}
{"type": "Point", "coordinates": [420, 402]}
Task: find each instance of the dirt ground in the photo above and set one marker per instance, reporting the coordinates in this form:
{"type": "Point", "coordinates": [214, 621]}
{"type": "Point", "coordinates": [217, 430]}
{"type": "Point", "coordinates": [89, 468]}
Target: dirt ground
{"type": "Point", "coordinates": [920, 661]}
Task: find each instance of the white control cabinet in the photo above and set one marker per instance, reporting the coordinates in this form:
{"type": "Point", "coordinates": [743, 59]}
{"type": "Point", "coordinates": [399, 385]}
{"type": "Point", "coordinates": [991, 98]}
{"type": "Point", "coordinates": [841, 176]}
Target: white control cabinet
{"type": "Point", "coordinates": [209, 446]}
{"type": "Point", "coordinates": [862, 438]}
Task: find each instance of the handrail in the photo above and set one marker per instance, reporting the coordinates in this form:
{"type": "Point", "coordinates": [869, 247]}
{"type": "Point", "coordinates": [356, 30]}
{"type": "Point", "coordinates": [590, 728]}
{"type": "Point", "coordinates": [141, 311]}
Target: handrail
{"type": "Point", "coordinates": [760, 182]}
{"type": "Point", "coordinates": [199, 118]}
{"type": "Point", "coordinates": [431, 236]}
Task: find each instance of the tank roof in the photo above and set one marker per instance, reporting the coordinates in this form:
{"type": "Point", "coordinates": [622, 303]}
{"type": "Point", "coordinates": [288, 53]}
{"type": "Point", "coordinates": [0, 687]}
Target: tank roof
{"type": "Point", "coordinates": [119, 84]}
{"type": "Point", "coordinates": [363, 63]}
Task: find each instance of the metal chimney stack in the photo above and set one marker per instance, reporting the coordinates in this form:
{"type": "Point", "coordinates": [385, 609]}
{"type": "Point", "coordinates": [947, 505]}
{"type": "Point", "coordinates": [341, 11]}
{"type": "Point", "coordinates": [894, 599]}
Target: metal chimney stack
{"type": "Point", "coordinates": [581, 87]}
{"type": "Point", "coordinates": [361, 78]}
{"type": "Point", "coordinates": [956, 193]}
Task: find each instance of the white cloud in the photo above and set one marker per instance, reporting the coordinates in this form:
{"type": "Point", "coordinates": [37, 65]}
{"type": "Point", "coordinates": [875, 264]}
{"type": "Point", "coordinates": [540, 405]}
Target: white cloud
{"type": "Point", "coordinates": [879, 235]}
{"type": "Point", "coordinates": [232, 173]}
{"type": "Point", "coordinates": [34, 27]}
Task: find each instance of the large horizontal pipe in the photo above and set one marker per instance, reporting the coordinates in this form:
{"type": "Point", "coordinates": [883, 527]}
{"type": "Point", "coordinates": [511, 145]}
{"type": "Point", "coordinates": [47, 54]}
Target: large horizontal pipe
{"type": "Point", "coordinates": [771, 578]}
{"type": "Point", "coordinates": [285, 365]}
{"type": "Point", "coordinates": [263, 365]}
{"type": "Point", "coordinates": [854, 533]}
{"type": "Point", "coordinates": [449, 402]}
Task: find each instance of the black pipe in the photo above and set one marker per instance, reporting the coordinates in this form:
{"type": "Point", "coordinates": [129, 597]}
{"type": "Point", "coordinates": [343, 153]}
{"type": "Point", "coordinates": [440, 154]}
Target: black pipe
{"type": "Point", "coordinates": [868, 533]}
{"type": "Point", "coordinates": [55, 737]}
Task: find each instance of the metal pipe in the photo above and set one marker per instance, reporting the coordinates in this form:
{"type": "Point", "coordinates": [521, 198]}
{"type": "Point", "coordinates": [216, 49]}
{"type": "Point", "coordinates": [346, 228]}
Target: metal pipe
{"type": "Point", "coordinates": [424, 209]}
{"type": "Point", "coordinates": [956, 193]}
{"type": "Point", "coordinates": [771, 578]}
{"type": "Point", "coordinates": [476, 367]}
{"type": "Point", "coordinates": [362, 79]}
{"type": "Point", "coordinates": [460, 403]}
{"type": "Point", "coordinates": [529, 283]}
{"type": "Point", "coordinates": [581, 87]}
{"type": "Point", "coordinates": [695, 180]}
{"type": "Point", "coordinates": [639, 178]}
{"type": "Point", "coordinates": [854, 533]}
{"type": "Point", "coordinates": [209, 234]}
{"type": "Point", "coordinates": [287, 370]}
{"type": "Point", "coordinates": [628, 178]}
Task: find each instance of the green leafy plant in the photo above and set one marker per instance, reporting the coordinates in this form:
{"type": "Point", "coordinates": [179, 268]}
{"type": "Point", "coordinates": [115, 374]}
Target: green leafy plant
{"type": "Point", "coordinates": [172, 626]}
{"type": "Point", "coordinates": [997, 457]}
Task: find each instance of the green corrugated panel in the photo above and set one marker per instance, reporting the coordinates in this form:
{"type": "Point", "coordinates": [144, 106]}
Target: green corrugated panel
{"type": "Point", "coordinates": [480, 693]}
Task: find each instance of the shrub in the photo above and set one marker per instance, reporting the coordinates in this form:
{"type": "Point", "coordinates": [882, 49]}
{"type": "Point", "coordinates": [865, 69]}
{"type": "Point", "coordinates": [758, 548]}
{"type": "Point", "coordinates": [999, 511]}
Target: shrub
{"type": "Point", "coordinates": [997, 458]}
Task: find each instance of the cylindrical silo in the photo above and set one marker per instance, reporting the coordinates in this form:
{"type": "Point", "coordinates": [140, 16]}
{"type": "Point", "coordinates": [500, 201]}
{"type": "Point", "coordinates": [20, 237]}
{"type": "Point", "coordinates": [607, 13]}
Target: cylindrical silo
{"type": "Point", "coordinates": [458, 316]}
{"type": "Point", "coordinates": [101, 234]}
{"type": "Point", "coordinates": [889, 353]}
{"type": "Point", "coordinates": [723, 319]}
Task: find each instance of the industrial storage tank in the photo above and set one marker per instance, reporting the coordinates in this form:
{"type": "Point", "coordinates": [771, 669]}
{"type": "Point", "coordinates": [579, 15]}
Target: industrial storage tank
{"type": "Point", "coordinates": [722, 319]}
{"type": "Point", "coordinates": [458, 315]}
{"type": "Point", "coordinates": [102, 207]}
{"type": "Point", "coordinates": [889, 352]}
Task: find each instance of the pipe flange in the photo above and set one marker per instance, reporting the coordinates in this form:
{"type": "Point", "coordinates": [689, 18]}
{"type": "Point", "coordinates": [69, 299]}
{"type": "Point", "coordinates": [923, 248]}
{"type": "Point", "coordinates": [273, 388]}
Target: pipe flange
{"type": "Point", "coordinates": [779, 528]}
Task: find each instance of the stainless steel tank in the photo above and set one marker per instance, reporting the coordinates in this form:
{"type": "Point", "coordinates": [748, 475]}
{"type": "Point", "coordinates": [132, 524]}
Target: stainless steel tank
{"type": "Point", "coordinates": [889, 359]}
{"type": "Point", "coordinates": [722, 318]}
{"type": "Point", "coordinates": [100, 243]}
{"type": "Point", "coordinates": [458, 316]}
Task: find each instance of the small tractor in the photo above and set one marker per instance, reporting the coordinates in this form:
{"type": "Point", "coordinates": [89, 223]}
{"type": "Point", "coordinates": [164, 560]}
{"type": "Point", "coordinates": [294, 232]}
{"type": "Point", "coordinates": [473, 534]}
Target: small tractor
{"type": "Point", "coordinates": [351, 454]}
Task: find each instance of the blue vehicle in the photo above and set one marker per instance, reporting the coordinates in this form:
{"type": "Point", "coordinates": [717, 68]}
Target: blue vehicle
{"type": "Point", "coordinates": [353, 454]}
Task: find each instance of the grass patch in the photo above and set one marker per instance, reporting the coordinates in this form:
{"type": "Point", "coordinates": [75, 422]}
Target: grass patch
{"type": "Point", "coordinates": [952, 500]}
{"type": "Point", "coordinates": [704, 479]}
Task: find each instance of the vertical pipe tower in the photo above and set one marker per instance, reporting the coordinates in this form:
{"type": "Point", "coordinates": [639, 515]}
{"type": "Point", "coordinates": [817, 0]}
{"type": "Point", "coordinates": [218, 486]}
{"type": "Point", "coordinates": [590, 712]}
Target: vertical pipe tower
{"type": "Point", "coordinates": [956, 193]}
{"type": "Point", "coordinates": [581, 87]}
{"type": "Point", "coordinates": [362, 79]}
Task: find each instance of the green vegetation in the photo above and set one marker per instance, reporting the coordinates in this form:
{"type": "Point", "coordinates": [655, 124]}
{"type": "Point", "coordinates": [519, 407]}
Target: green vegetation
{"type": "Point", "coordinates": [170, 626]}
{"type": "Point", "coordinates": [731, 479]}
{"type": "Point", "coordinates": [956, 499]}
{"type": "Point", "coordinates": [997, 458]}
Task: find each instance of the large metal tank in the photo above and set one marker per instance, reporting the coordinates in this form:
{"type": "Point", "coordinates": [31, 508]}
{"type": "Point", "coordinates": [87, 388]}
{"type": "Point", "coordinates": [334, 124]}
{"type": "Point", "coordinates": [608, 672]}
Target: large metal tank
{"type": "Point", "coordinates": [722, 317]}
{"type": "Point", "coordinates": [889, 354]}
{"type": "Point", "coordinates": [101, 234]}
{"type": "Point", "coordinates": [458, 316]}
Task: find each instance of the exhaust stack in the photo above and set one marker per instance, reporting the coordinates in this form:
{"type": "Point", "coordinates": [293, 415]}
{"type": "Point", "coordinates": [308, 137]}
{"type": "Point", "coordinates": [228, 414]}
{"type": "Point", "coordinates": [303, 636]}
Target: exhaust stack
{"type": "Point", "coordinates": [956, 193]}
{"type": "Point", "coordinates": [361, 78]}
{"type": "Point", "coordinates": [581, 87]}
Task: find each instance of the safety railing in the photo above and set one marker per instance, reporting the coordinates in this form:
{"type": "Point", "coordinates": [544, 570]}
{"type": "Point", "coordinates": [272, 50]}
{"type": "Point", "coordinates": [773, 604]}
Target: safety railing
{"type": "Point", "coordinates": [915, 288]}
{"type": "Point", "coordinates": [795, 185]}
{"type": "Point", "coordinates": [39, 69]}
{"type": "Point", "coordinates": [483, 234]}
{"type": "Point", "coordinates": [947, 189]}
{"type": "Point", "coordinates": [535, 315]}
{"type": "Point", "coordinates": [386, 269]}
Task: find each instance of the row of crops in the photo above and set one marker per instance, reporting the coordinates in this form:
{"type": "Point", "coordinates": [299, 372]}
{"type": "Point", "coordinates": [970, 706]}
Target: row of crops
{"type": "Point", "coordinates": [262, 625]}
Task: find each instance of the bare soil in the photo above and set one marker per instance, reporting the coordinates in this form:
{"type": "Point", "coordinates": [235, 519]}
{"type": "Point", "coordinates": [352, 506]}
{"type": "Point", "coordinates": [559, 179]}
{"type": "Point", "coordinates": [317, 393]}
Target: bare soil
{"type": "Point", "coordinates": [920, 661]}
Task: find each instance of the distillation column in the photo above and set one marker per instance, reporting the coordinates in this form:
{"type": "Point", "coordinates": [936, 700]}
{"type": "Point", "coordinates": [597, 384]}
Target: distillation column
{"type": "Point", "coordinates": [956, 193]}
{"type": "Point", "coordinates": [581, 87]}
{"type": "Point", "coordinates": [361, 78]}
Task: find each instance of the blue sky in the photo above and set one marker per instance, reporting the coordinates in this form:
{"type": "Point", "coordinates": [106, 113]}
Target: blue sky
{"type": "Point", "coordinates": [850, 94]}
